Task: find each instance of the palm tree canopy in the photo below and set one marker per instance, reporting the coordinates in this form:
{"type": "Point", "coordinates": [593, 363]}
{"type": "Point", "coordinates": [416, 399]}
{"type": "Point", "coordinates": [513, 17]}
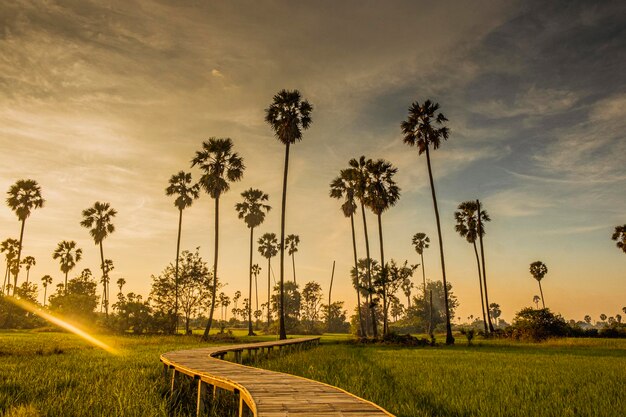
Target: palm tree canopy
{"type": "Point", "coordinates": [538, 270]}
{"type": "Point", "coordinates": [99, 218]}
{"type": "Point", "coordinates": [46, 280]}
{"type": "Point", "coordinates": [421, 242]}
{"type": "Point", "coordinates": [467, 220]}
{"type": "Point", "coordinates": [382, 191]}
{"type": "Point", "coordinates": [291, 242]}
{"type": "Point", "coordinates": [361, 176]}
{"type": "Point", "coordinates": [251, 209]}
{"type": "Point", "coordinates": [256, 269]}
{"type": "Point", "coordinates": [180, 185]}
{"type": "Point", "coordinates": [424, 126]}
{"type": "Point", "coordinates": [68, 255]}
{"type": "Point", "coordinates": [268, 245]}
{"type": "Point", "coordinates": [619, 235]}
{"type": "Point", "coordinates": [288, 115]}
{"type": "Point", "coordinates": [29, 261]}
{"type": "Point", "coordinates": [121, 282]}
{"type": "Point", "coordinates": [345, 186]}
{"type": "Point", "coordinates": [219, 166]}
{"type": "Point", "coordinates": [24, 197]}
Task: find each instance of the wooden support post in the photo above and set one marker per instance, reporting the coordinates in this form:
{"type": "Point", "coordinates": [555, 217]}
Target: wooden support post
{"type": "Point", "coordinates": [238, 394]}
{"type": "Point", "coordinates": [165, 368]}
{"type": "Point", "coordinates": [173, 385]}
{"type": "Point", "coordinates": [201, 396]}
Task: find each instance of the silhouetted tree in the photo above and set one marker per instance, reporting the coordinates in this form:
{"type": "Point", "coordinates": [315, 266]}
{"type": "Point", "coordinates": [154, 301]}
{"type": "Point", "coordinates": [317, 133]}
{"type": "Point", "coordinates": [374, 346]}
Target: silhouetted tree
{"type": "Point", "coordinates": [45, 281]}
{"type": "Point", "coordinates": [98, 219]}
{"type": "Point", "coordinates": [382, 194]}
{"type": "Point", "coordinates": [120, 284]}
{"type": "Point", "coordinates": [619, 235]}
{"type": "Point", "coordinates": [424, 128]}
{"type": "Point", "coordinates": [494, 310]}
{"type": "Point", "coordinates": [23, 197]}
{"type": "Point", "coordinates": [420, 242]}
{"type": "Point", "coordinates": [9, 247]}
{"type": "Point", "coordinates": [588, 319]}
{"type": "Point", "coordinates": [603, 317]}
{"type": "Point", "coordinates": [288, 115]}
{"type": "Point", "coordinates": [536, 300]}
{"type": "Point", "coordinates": [68, 255]}
{"type": "Point", "coordinates": [28, 262]}
{"type": "Point", "coordinates": [78, 299]}
{"type": "Point", "coordinates": [256, 270]}
{"type": "Point", "coordinates": [219, 166]}
{"type": "Point", "coordinates": [180, 185]}
{"type": "Point", "coordinates": [539, 270]}
{"type": "Point", "coordinates": [252, 210]}
{"type": "Point", "coordinates": [292, 242]}
{"type": "Point", "coordinates": [345, 187]}
{"type": "Point", "coordinates": [311, 299]}
{"type": "Point", "coordinates": [467, 226]}
{"type": "Point", "coordinates": [268, 248]}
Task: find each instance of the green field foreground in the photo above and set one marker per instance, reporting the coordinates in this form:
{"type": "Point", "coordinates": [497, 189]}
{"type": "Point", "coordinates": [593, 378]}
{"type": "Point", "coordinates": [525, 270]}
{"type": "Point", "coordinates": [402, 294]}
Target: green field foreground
{"type": "Point", "coordinates": [57, 374]}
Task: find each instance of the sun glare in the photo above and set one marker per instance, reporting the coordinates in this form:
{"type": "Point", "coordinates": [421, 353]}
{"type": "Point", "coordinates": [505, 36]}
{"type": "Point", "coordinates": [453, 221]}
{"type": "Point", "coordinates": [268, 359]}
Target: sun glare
{"type": "Point", "coordinates": [32, 308]}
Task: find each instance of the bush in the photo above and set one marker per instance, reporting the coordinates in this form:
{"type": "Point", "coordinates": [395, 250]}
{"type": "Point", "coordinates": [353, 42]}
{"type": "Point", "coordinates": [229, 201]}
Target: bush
{"type": "Point", "coordinates": [537, 325]}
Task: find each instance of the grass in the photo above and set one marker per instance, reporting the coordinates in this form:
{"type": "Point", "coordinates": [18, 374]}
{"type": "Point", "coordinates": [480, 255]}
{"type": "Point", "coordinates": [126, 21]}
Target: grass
{"type": "Point", "coordinates": [57, 374]}
{"type": "Point", "coordinates": [571, 377]}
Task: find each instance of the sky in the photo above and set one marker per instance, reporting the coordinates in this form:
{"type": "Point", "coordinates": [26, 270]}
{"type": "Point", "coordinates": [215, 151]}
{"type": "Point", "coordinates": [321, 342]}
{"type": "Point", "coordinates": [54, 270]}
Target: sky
{"type": "Point", "coordinates": [105, 100]}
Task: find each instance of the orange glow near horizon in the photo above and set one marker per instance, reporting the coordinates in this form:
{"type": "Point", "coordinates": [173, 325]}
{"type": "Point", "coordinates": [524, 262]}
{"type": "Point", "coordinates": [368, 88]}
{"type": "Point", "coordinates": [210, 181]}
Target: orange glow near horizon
{"type": "Point", "coordinates": [32, 308]}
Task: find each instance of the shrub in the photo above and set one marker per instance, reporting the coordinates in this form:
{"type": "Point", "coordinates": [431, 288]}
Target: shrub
{"type": "Point", "coordinates": [537, 325]}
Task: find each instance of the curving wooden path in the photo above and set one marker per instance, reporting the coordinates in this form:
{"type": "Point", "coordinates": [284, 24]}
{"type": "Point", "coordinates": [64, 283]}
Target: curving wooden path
{"type": "Point", "coordinates": [265, 393]}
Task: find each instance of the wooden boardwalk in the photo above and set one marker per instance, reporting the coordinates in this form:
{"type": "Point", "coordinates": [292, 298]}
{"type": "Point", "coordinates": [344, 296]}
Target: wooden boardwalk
{"type": "Point", "coordinates": [265, 393]}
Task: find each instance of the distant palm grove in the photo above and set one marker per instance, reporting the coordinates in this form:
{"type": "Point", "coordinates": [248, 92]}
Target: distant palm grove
{"type": "Point", "coordinates": [391, 295]}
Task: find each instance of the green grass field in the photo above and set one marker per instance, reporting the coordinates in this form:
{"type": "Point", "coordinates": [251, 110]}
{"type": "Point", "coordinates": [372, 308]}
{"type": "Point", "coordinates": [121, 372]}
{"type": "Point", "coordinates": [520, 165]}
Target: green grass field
{"type": "Point", "coordinates": [57, 374]}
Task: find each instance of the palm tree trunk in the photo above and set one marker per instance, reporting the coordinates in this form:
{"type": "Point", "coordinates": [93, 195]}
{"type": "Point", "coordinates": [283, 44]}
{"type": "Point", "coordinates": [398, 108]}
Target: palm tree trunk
{"type": "Point", "coordinates": [65, 287]}
{"type": "Point", "coordinates": [105, 300]}
{"type": "Point", "coordinates": [358, 281]}
{"type": "Point", "coordinates": [27, 275]}
{"type": "Point", "coordinates": [383, 273]}
{"type": "Point", "coordinates": [480, 284]}
{"type": "Point", "coordinates": [430, 314]}
{"type": "Point", "coordinates": [6, 279]}
{"type": "Point", "coordinates": [250, 332]}
{"type": "Point", "coordinates": [541, 292]}
{"type": "Point", "coordinates": [482, 256]}
{"type": "Point", "coordinates": [424, 283]}
{"type": "Point", "coordinates": [45, 293]}
{"type": "Point", "coordinates": [19, 256]}
{"type": "Point", "coordinates": [449, 337]}
{"type": "Point", "coordinates": [180, 224]}
{"type": "Point", "coordinates": [269, 267]}
{"type": "Point", "coordinates": [207, 330]}
{"type": "Point", "coordinates": [369, 275]}
{"type": "Point", "coordinates": [282, 331]}
{"type": "Point", "coordinates": [293, 262]}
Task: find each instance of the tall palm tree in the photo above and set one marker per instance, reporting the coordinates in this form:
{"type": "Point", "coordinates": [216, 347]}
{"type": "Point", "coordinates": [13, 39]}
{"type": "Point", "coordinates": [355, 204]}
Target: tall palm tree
{"type": "Point", "coordinates": [252, 210]}
{"type": "Point", "coordinates": [382, 194]}
{"type": "Point", "coordinates": [180, 186]}
{"type": "Point", "coordinates": [292, 242]}
{"type": "Point", "coordinates": [68, 255]}
{"type": "Point", "coordinates": [28, 262]}
{"type": "Point", "coordinates": [424, 128]}
{"type": "Point", "coordinates": [619, 235]}
{"type": "Point", "coordinates": [120, 284]}
{"type": "Point", "coordinates": [539, 270]}
{"type": "Point", "coordinates": [98, 219]}
{"type": "Point", "coordinates": [10, 248]}
{"type": "Point", "coordinates": [220, 166]}
{"type": "Point", "coordinates": [288, 115]}
{"type": "Point", "coordinates": [106, 281]}
{"type": "Point", "coordinates": [536, 300]}
{"type": "Point", "coordinates": [483, 217]}
{"type": "Point", "coordinates": [344, 187]}
{"type": "Point", "coordinates": [23, 197]}
{"type": "Point", "coordinates": [45, 281]}
{"type": "Point", "coordinates": [420, 242]}
{"type": "Point", "coordinates": [467, 226]}
{"type": "Point", "coordinates": [256, 270]}
{"type": "Point", "coordinates": [268, 248]}
{"type": "Point", "coordinates": [362, 181]}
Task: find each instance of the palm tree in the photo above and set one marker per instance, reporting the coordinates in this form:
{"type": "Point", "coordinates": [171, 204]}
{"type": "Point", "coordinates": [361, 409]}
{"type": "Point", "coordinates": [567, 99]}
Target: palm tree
{"type": "Point", "coordinates": [10, 248]}
{"type": "Point", "coordinates": [467, 227]}
{"type": "Point", "coordinates": [619, 235]}
{"type": "Point", "coordinates": [420, 242]}
{"type": "Point", "coordinates": [424, 128]}
{"type": "Point", "coordinates": [28, 262]}
{"type": "Point", "coordinates": [98, 219]}
{"type": "Point", "coordinates": [288, 115]}
{"type": "Point", "coordinates": [538, 270]}
{"type": "Point", "coordinates": [268, 248]}
{"type": "Point", "coordinates": [106, 279]}
{"type": "Point", "coordinates": [292, 242]}
{"type": "Point", "coordinates": [68, 255]}
{"type": "Point", "coordinates": [45, 281]}
{"type": "Point", "coordinates": [180, 186]}
{"type": "Point", "coordinates": [536, 300]}
{"type": "Point", "coordinates": [219, 166]}
{"type": "Point", "coordinates": [483, 217]}
{"type": "Point", "coordinates": [256, 270]}
{"type": "Point", "coordinates": [359, 167]}
{"type": "Point", "coordinates": [120, 284]}
{"type": "Point", "coordinates": [382, 194]}
{"type": "Point", "coordinates": [252, 210]}
{"type": "Point", "coordinates": [24, 197]}
{"type": "Point", "coordinates": [344, 186]}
